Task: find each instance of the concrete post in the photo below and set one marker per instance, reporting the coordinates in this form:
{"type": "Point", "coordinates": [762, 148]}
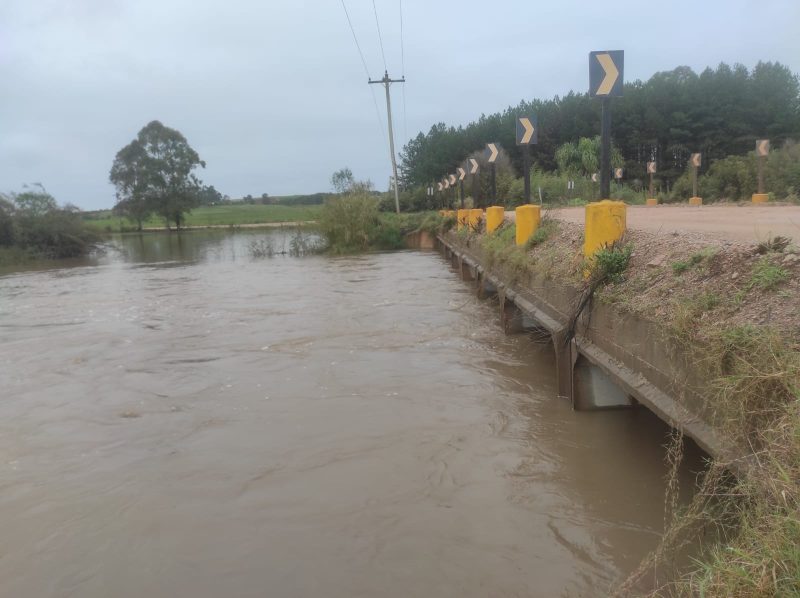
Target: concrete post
{"type": "Point", "coordinates": [605, 224]}
{"type": "Point", "coordinates": [494, 218]}
{"type": "Point", "coordinates": [528, 219]}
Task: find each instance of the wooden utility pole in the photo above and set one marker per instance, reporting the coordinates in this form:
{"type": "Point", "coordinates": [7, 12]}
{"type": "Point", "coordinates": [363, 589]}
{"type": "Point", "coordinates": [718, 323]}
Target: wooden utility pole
{"type": "Point", "coordinates": [386, 82]}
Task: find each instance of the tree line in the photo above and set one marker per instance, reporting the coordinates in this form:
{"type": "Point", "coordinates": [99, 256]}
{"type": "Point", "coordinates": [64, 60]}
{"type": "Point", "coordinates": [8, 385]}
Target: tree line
{"type": "Point", "coordinates": [719, 112]}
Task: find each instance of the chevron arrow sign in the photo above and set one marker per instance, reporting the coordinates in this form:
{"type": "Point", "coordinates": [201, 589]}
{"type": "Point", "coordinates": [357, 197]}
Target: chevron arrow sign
{"type": "Point", "coordinates": [527, 130]}
{"type": "Point", "coordinates": [461, 173]}
{"type": "Point", "coordinates": [493, 151]}
{"type": "Point", "coordinates": [606, 73]}
{"type": "Point", "coordinates": [762, 147]}
{"type": "Point", "coordinates": [697, 160]}
{"type": "Point", "coordinates": [473, 166]}
{"type": "Point", "coordinates": [651, 168]}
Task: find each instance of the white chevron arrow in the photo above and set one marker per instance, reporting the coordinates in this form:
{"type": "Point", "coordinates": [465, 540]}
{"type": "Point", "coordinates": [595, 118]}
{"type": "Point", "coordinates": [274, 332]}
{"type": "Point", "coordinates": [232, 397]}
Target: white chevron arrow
{"type": "Point", "coordinates": [473, 166]}
{"type": "Point", "coordinates": [528, 126]}
{"type": "Point", "coordinates": [651, 167]}
{"type": "Point", "coordinates": [492, 153]}
{"type": "Point", "coordinates": [696, 160]}
{"type": "Point", "coordinates": [461, 173]}
{"type": "Point", "coordinates": [762, 147]}
{"type": "Point", "coordinates": [611, 74]}
{"type": "Point", "coordinates": [452, 179]}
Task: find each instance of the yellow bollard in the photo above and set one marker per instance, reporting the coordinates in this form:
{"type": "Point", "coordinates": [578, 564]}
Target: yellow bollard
{"type": "Point", "coordinates": [528, 218]}
{"type": "Point", "coordinates": [651, 201]}
{"type": "Point", "coordinates": [760, 197]}
{"type": "Point", "coordinates": [605, 223]}
{"type": "Point", "coordinates": [461, 218]}
{"type": "Point", "coordinates": [494, 218]}
{"type": "Point", "coordinates": [474, 219]}
{"type": "Point", "coordinates": [695, 201]}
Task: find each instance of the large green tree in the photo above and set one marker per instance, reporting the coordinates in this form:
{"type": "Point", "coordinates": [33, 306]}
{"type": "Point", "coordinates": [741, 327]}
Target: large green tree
{"type": "Point", "coordinates": [155, 173]}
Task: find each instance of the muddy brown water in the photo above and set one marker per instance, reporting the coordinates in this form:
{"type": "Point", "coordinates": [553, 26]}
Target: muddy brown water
{"type": "Point", "coordinates": [181, 419]}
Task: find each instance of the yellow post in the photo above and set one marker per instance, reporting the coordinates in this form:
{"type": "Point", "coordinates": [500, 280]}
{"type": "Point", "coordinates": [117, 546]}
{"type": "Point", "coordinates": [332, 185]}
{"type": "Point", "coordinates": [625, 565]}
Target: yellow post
{"type": "Point", "coordinates": [760, 197]}
{"type": "Point", "coordinates": [605, 223]}
{"type": "Point", "coordinates": [652, 201]}
{"type": "Point", "coordinates": [461, 218]}
{"type": "Point", "coordinates": [695, 201]}
{"type": "Point", "coordinates": [474, 218]}
{"type": "Point", "coordinates": [528, 218]}
{"type": "Point", "coordinates": [494, 218]}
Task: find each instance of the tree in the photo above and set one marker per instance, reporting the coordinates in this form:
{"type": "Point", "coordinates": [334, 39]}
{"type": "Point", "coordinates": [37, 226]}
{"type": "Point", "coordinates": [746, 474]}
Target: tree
{"type": "Point", "coordinates": [34, 202]}
{"type": "Point", "coordinates": [342, 180]}
{"type": "Point", "coordinates": [154, 173]}
{"type": "Point", "coordinates": [584, 157]}
{"type": "Point", "coordinates": [129, 174]}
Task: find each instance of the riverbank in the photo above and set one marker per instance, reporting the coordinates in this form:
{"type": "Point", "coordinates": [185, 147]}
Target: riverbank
{"type": "Point", "coordinates": [726, 310]}
{"type": "Point", "coordinates": [224, 216]}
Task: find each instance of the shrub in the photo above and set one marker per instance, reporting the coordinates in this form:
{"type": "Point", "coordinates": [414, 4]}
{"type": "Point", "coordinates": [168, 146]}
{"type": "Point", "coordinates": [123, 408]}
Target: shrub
{"type": "Point", "coordinates": [610, 262]}
{"type": "Point", "coordinates": [350, 222]}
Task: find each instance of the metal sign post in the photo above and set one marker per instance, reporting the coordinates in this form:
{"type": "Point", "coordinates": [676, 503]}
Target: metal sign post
{"type": "Point", "coordinates": [762, 149]}
{"type": "Point", "coordinates": [492, 158]}
{"type": "Point", "coordinates": [476, 179]}
{"type": "Point", "coordinates": [461, 174]}
{"type": "Point", "coordinates": [651, 170]}
{"type": "Point", "coordinates": [605, 81]}
{"type": "Point", "coordinates": [696, 161]}
{"type": "Point", "coordinates": [527, 134]}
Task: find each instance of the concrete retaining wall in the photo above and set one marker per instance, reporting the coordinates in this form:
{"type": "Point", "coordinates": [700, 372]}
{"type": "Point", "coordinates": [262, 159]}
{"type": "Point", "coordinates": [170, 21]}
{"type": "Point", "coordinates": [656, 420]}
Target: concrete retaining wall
{"type": "Point", "coordinates": [613, 360]}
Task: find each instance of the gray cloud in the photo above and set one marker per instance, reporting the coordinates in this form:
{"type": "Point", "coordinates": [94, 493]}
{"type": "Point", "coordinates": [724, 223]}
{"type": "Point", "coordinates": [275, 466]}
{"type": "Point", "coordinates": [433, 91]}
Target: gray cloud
{"type": "Point", "coordinates": [273, 95]}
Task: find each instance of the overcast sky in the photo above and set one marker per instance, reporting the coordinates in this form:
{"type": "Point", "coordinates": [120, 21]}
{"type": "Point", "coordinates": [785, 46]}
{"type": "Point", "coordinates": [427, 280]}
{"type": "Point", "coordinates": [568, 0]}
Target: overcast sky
{"type": "Point", "coordinates": [274, 97]}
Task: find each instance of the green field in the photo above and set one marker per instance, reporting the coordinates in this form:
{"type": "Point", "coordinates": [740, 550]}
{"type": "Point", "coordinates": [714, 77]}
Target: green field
{"type": "Point", "coordinates": [211, 216]}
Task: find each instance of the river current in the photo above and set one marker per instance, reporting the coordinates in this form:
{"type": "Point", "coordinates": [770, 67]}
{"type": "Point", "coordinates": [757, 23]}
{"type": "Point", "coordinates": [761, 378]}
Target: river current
{"type": "Point", "coordinates": [181, 418]}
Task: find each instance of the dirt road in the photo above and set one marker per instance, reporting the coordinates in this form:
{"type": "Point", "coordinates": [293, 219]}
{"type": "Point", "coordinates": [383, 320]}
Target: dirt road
{"type": "Point", "coordinates": [740, 223]}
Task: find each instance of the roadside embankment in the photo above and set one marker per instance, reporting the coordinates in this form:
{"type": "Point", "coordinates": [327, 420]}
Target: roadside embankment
{"type": "Point", "coordinates": [706, 333]}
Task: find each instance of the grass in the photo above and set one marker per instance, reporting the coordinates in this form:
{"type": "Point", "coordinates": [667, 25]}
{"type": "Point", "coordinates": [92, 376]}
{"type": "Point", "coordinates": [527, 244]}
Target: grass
{"type": "Point", "coordinates": [696, 258]}
{"type": "Point", "coordinates": [767, 276]}
{"type": "Point", "coordinates": [610, 262]}
{"type": "Point", "coordinates": [547, 227]}
{"type": "Point", "coordinates": [225, 215]}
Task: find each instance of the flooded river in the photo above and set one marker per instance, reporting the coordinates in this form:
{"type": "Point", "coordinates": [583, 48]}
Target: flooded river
{"type": "Point", "coordinates": [179, 418]}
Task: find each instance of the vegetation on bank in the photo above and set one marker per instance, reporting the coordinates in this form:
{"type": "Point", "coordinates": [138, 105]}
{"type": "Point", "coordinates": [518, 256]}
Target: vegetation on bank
{"type": "Point", "coordinates": [729, 179]}
{"type": "Point", "coordinates": [719, 112]}
{"type": "Point", "coordinates": [34, 226]}
{"type": "Point", "coordinates": [218, 215]}
{"type": "Point", "coordinates": [731, 311]}
{"type": "Point", "coordinates": [353, 222]}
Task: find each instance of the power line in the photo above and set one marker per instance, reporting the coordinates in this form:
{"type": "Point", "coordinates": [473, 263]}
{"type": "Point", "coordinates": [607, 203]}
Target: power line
{"type": "Point", "coordinates": [355, 39]}
{"type": "Point", "coordinates": [366, 70]}
{"type": "Point", "coordinates": [380, 37]}
{"type": "Point", "coordinates": [403, 69]}
{"type": "Point", "coordinates": [402, 50]}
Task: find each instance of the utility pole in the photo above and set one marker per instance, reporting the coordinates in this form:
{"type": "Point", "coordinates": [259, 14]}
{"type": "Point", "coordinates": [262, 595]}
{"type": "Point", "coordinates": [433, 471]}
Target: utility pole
{"type": "Point", "coordinates": [386, 81]}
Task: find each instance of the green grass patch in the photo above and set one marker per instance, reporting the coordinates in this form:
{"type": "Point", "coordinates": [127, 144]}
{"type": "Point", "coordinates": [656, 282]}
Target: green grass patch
{"type": "Point", "coordinates": [547, 227]}
{"type": "Point", "coordinates": [767, 276]}
{"type": "Point", "coordinates": [610, 262]}
{"type": "Point", "coordinates": [693, 260]}
{"type": "Point", "coordinates": [225, 215]}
